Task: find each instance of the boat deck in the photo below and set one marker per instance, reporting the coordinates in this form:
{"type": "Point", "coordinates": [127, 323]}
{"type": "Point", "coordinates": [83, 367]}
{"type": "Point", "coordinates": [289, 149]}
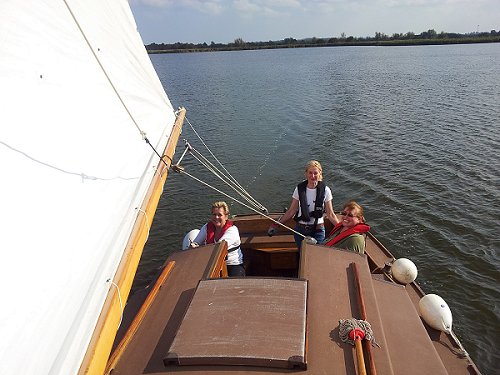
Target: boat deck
{"type": "Point", "coordinates": [194, 326]}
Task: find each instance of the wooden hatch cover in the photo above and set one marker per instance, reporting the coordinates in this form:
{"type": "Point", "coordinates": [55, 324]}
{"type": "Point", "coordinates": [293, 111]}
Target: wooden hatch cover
{"type": "Point", "coordinates": [244, 321]}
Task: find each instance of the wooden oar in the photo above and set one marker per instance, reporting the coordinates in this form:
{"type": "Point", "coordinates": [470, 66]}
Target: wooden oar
{"type": "Point", "coordinates": [362, 311]}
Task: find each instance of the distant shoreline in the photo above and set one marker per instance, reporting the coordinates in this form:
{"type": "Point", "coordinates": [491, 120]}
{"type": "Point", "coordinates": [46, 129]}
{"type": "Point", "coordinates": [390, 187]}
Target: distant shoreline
{"type": "Point", "coordinates": [242, 46]}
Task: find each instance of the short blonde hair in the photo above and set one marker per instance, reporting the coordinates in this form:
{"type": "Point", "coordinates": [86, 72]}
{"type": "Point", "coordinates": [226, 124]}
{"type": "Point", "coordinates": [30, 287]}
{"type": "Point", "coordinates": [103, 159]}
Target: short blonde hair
{"type": "Point", "coordinates": [221, 204]}
{"type": "Point", "coordinates": [351, 205]}
{"type": "Point", "coordinates": [314, 164]}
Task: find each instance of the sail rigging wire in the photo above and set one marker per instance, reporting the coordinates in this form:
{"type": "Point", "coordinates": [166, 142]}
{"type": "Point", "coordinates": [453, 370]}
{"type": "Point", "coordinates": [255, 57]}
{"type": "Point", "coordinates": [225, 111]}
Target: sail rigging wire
{"type": "Point", "coordinates": [181, 170]}
{"type": "Point", "coordinates": [230, 182]}
{"type": "Point", "coordinates": [267, 157]}
{"type": "Point", "coordinates": [227, 178]}
{"type": "Point", "coordinates": [230, 177]}
{"type": "Point", "coordinates": [142, 132]}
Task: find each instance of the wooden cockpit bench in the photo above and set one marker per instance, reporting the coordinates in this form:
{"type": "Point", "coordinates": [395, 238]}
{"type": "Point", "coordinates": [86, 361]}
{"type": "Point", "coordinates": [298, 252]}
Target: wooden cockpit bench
{"type": "Point", "coordinates": [266, 243]}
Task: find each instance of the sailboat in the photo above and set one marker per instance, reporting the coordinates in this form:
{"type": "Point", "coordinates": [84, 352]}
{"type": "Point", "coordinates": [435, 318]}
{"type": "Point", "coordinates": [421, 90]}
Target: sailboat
{"type": "Point", "coordinates": [87, 137]}
{"type": "Point", "coordinates": [86, 145]}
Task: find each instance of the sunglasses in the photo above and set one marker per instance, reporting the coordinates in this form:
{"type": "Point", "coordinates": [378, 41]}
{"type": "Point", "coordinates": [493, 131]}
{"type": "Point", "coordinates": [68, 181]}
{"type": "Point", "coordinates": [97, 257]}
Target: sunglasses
{"type": "Point", "coordinates": [343, 213]}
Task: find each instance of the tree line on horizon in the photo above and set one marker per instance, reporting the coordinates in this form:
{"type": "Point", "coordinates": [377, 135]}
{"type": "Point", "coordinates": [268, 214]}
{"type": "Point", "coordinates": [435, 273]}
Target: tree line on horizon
{"type": "Point", "coordinates": [409, 38]}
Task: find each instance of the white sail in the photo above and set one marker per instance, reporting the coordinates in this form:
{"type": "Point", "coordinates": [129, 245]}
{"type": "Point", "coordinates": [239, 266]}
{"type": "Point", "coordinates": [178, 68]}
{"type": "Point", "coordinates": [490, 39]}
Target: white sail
{"type": "Point", "coordinates": [76, 90]}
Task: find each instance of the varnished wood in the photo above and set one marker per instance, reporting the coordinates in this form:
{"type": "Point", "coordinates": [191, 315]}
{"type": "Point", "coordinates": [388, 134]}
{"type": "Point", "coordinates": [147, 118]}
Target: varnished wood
{"type": "Point", "coordinates": [101, 343]}
{"type": "Point", "coordinates": [359, 356]}
{"type": "Point", "coordinates": [362, 311]}
{"type": "Point", "coordinates": [140, 316]}
{"type": "Point", "coordinates": [219, 265]}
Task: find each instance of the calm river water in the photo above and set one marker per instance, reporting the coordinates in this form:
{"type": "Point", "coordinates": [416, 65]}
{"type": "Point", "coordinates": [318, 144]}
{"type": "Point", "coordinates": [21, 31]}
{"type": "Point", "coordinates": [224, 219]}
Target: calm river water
{"type": "Point", "coordinates": [412, 133]}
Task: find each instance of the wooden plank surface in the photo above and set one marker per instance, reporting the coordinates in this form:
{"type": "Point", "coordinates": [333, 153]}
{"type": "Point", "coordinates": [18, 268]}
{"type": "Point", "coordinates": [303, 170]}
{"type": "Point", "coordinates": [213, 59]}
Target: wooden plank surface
{"type": "Point", "coordinates": [243, 321]}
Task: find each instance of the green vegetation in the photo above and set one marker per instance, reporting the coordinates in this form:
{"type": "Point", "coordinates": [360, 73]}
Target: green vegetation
{"type": "Point", "coordinates": [380, 39]}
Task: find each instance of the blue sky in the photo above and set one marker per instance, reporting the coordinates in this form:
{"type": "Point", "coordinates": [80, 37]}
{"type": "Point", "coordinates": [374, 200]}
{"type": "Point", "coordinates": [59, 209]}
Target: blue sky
{"type": "Point", "coordinates": [222, 21]}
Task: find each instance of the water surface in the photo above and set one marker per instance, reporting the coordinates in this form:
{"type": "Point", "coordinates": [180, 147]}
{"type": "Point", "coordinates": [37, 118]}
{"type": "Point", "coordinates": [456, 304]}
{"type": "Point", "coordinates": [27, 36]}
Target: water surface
{"type": "Point", "coordinates": [412, 133]}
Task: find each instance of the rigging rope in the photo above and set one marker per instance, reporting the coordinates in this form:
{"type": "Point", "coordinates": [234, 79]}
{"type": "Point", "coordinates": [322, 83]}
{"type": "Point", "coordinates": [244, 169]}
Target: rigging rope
{"type": "Point", "coordinates": [179, 169]}
{"type": "Point", "coordinates": [103, 69]}
{"type": "Point", "coordinates": [228, 179]}
{"type": "Point", "coordinates": [119, 299]}
{"type": "Point", "coordinates": [232, 181]}
{"type": "Point", "coordinates": [464, 352]}
{"type": "Point", "coordinates": [112, 84]}
{"type": "Point", "coordinates": [269, 155]}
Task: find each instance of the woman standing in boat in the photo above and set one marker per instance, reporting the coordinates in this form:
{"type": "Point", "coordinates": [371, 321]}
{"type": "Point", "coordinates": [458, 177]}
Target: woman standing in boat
{"type": "Point", "coordinates": [218, 229]}
{"type": "Point", "coordinates": [311, 199]}
{"type": "Point", "coordinates": [350, 232]}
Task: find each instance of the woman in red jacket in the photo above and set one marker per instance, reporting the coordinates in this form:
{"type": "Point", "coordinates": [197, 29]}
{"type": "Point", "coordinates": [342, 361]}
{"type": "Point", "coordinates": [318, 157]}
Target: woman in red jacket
{"type": "Point", "coordinates": [218, 229]}
{"type": "Point", "coordinates": [350, 232]}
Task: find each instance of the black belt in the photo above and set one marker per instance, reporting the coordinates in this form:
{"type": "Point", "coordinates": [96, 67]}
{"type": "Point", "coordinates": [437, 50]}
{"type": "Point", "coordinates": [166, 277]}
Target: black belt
{"type": "Point", "coordinates": [311, 226]}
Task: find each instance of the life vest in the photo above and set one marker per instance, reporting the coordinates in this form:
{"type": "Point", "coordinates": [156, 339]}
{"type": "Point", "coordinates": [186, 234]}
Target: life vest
{"type": "Point", "coordinates": [358, 228]}
{"type": "Point", "coordinates": [211, 231]}
{"type": "Point", "coordinates": [305, 215]}
{"type": "Point", "coordinates": [211, 234]}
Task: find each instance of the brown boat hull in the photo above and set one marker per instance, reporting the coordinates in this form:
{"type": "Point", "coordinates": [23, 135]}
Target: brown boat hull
{"type": "Point", "coordinates": [244, 336]}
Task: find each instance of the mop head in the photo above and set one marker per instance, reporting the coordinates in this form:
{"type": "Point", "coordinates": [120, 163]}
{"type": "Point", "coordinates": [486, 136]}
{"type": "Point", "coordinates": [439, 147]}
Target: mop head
{"type": "Point", "coordinates": [348, 325]}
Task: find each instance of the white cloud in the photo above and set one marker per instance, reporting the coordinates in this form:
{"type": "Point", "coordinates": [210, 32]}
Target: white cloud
{"type": "Point", "coordinates": [210, 6]}
{"type": "Point", "coordinates": [265, 7]}
{"type": "Point", "coordinates": [247, 6]}
{"type": "Point", "coordinates": [155, 3]}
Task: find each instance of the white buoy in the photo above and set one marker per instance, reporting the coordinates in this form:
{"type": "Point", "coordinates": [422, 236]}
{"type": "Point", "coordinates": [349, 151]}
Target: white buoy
{"type": "Point", "coordinates": [436, 313]}
{"type": "Point", "coordinates": [404, 270]}
{"type": "Point", "coordinates": [189, 237]}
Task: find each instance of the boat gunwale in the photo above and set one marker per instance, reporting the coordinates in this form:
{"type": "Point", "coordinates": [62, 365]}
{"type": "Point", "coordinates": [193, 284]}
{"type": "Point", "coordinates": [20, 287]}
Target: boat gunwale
{"type": "Point", "coordinates": [101, 343]}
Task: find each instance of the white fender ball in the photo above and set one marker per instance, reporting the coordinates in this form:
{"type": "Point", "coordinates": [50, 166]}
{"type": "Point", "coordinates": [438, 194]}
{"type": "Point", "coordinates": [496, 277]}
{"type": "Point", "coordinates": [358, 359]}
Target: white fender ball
{"type": "Point", "coordinates": [404, 270]}
{"type": "Point", "coordinates": [189, 237]}
{"type": "Point", "coordinates": [435, 311]}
